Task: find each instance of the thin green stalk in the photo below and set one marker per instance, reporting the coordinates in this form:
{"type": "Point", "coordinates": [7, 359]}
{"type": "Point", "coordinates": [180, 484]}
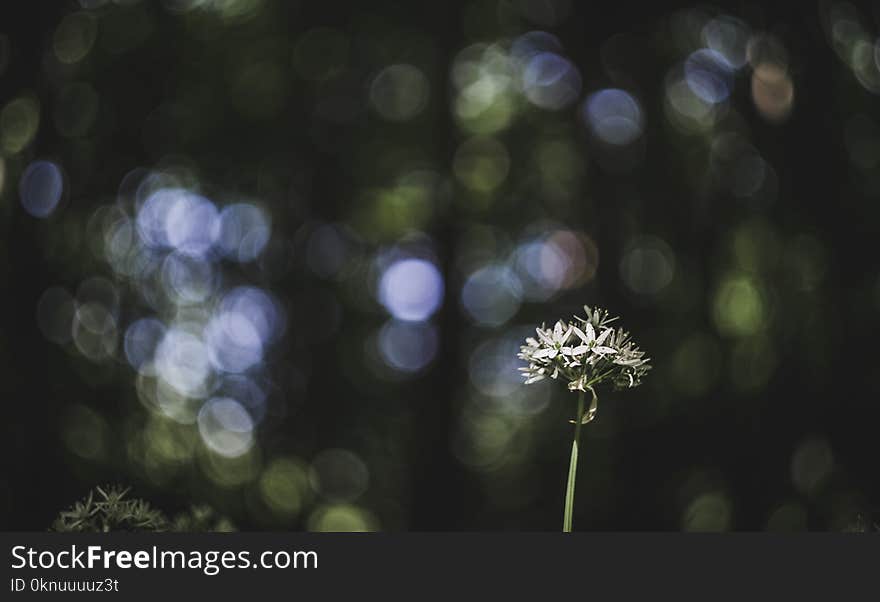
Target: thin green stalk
{"type": "Point", "coordinates": [572, 466]}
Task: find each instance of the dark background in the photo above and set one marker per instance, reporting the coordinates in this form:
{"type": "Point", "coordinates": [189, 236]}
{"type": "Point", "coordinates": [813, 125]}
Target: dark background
{"type": "Point", "coordinates": [663, 445]}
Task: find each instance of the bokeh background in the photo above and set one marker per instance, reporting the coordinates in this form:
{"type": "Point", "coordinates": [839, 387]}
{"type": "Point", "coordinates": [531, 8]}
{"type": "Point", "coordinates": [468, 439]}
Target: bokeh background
{"type": "Point", "coordinates": [278, 257]}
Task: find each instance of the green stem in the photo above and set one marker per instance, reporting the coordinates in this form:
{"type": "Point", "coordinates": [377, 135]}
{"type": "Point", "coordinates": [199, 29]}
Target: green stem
{"type": "Point", "coordinates": [572, 467]}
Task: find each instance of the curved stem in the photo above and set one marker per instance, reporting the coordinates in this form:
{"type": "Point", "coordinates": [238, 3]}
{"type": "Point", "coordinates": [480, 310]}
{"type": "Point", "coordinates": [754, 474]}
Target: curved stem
{"type": "Point", "coordinates": [572, 466]}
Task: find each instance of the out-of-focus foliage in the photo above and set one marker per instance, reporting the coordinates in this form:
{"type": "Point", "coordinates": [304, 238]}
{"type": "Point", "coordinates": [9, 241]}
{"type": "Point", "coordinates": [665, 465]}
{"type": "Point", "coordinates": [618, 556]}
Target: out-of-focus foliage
{"type": "Point", "coordinates": [109, 508]}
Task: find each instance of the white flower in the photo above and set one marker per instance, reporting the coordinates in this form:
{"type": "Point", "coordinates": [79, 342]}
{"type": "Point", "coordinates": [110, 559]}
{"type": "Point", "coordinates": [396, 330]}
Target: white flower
{"type": "Point", "coordinates": [554, 340]}
{"type": "Point", "coordinates": [586, 353]}
{"type": "Point", "coordinates": [592, 342]}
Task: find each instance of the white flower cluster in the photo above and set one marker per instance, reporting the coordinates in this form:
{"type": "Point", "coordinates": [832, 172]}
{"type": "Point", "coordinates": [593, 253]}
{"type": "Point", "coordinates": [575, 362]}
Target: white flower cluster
{"type": "Point", "coordinates": [586, 353]}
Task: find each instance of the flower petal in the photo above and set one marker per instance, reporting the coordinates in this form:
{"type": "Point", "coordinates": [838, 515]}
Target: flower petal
{"type": "Point", "coordinates": [544, 336]}
{"type": "Point", "coordinates": [603, 350]}
{"type": "Point", "coordinates": [591, 333]}
{"type": "Point", "coordinates": [557, 331]}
